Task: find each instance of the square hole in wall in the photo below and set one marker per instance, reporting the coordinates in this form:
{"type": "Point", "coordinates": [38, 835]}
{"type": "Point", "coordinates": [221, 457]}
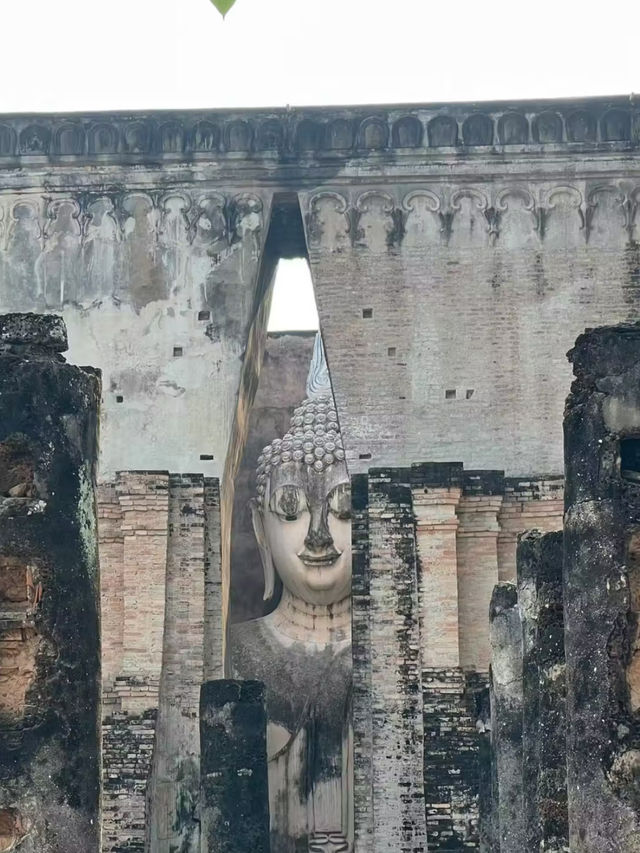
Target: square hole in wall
{"type": "Point", "coordinates": [206, 457]}
{"type": "Point", "coordinates": [119, 398]}
{"type": "Point", "coordinates": [470, 393]}
{"type": "Point", "coordinates": [177, 352]}
{"type": "Point", "coordinates": [364, 456]}
{"type": "Point", "coordinates": [450, 394]}
{"type": "Point", "coordinates": [630, 458]}
{"type": "Point", "coordinates": [391, 351]}
{"type": "Point", "coordinates": [367, 313]}
{"type": "Point", "coordinates": [204, 315]}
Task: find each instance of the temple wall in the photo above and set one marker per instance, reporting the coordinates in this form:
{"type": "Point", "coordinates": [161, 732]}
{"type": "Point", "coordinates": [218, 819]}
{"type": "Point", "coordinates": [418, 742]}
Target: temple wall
{"type": "Point", "coordinates": [49, 593]}
{"type": "Point", "coordinates": [425, 543]}
{"type": "Point", "coordinates": [161, 607]}
{"type": "Point", "coordinates": [456, 251]}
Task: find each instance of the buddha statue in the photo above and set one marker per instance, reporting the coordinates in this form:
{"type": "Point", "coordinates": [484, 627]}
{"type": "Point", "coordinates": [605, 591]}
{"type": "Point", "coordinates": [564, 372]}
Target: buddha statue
{"type": "Point", "coordinates": [302, 650]}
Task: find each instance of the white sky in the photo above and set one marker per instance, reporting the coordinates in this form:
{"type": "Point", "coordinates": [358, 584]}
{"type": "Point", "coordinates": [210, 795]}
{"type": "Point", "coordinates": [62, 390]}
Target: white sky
{"type": "Point", "coordinates": [83, 54]}
{"type": "Point", "coordinates": [136, 54]}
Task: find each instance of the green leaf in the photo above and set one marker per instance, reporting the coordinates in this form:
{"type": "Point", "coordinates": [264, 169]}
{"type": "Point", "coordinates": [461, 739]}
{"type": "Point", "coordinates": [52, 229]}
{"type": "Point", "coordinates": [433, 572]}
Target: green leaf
{"type": "Point", "coordinates": [223, 6]}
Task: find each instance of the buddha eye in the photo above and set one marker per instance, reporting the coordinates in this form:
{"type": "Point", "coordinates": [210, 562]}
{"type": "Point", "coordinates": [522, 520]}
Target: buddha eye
{"type": "Point", "coordinates": [340, 501]}
{"type": "Point", "coordinates": [288, 502]}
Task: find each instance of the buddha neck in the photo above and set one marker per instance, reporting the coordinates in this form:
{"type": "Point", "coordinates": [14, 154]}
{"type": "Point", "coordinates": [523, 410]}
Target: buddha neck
{"type": "Point", "coordinates": [308, 623]}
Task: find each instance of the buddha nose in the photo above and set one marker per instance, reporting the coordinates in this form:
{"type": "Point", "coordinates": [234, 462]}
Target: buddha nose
{"type": "Point", "coordinates": [318, 536]}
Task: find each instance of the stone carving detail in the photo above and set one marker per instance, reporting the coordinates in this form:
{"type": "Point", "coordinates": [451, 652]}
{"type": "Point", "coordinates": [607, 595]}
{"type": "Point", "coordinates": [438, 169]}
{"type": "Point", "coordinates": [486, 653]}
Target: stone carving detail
{"type": "Point", "coordinates": [373, 134]}
{"type": "Point", "coordinates": [328, 222]}
{"type": "Point", "coordinates": [581, 127]}
{"type": "Point", "coordinates": [477, 129]}
{"type": "Point", "coordinates": [301, 651]}
{"type": "Point", "coordinates": [615, 126]}
{"type": "Point", "coordinates": [547, 127]}
{"type": "Point", "coordinates": [443, 132]}
{"type": "Point", "coordinates": [293, 131]}
{"type": "Point", "coordinates": [407, 132]}
{"type": "Point", "coordinates": [380, 223]}
{"type": "Point", "coordinates": [513, 129]}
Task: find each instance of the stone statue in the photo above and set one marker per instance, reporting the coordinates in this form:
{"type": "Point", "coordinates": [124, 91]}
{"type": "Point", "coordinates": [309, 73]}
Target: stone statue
{"type": "Point", "coordinates": [302, 650]}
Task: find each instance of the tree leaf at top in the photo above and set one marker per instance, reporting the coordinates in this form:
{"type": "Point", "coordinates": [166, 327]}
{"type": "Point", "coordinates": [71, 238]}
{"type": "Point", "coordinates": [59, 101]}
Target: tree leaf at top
{"type": "Point", "coordinates": [223, 6]}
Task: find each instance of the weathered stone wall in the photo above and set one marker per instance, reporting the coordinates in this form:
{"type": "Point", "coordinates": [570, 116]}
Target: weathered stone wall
{"type": "Point", "coordinates": [601, 600]}
{"type": "Point", "coordinates": [162, 606]}
{"type": "Point", "coordinates": [544, 712]}
{"type": "Point", "coordinates": [434, 231]}
{"type": "Point", "coordinates": [49, 626]}
{"type": "Point", "coordinates": [234, 799]}
{"type": "Point", "coordinates": [425, 565]}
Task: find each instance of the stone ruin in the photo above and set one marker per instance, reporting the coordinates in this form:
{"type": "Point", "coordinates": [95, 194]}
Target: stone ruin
{"type": "Point", "coordinates": [423, 674]}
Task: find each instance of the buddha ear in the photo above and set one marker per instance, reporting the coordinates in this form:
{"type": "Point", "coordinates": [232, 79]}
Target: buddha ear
{"type": "Point", "coordinates": [257, 517]}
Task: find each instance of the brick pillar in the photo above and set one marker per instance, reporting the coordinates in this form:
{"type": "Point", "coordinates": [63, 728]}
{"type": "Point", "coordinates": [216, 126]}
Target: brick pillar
{"type": "Point", "coordinates": [144, 500]}
{"type": "Point", "coordinates": [544, 751]}
{"type": "Point", "coordinates": [234, 799]}
{"type": "Point", "coordinates": [361, 651]}
{"type": "Point", "coordinates": [395, 703]}
{"type": "Point", "coordinates": [171, 822]}
{"type": "Point", "coordinates": [436, 489]}
{"type": "Point", "coordinates": [111, 549]}
{"type": "Point", "coordinates": [506, 714]}
{"type": "Point", "coordinates": [213, 623]}
{"type": "Point", "coordinates": [477, 550]}
{"type": "Point", "coordinates": [535, 503]}
{"type": "Point", "coordinates": [137, 588]}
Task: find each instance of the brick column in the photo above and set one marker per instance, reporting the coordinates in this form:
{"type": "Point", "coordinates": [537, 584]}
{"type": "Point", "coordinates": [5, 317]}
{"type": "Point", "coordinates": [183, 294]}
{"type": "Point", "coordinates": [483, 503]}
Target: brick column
{"type": "Point", "coordinates": [111, 548]}
{"type": "Point", "coordinates": [397, 775]}
{"type": "Point", "coordinates": [144, 500]}
{"type": "Point", "coordinates": [477, 544]}
{"type": "Point", "coordinates": [535, 503]}
{"type": "Point", "coordinates": [436, 490]}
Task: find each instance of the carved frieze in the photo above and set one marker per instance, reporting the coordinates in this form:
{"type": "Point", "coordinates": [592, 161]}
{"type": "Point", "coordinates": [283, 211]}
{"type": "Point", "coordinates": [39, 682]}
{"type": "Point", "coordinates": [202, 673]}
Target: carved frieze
{"type": "Point", "coordinates": [323, 132]}
{"type": "Point", "coordinates": [386, 219]}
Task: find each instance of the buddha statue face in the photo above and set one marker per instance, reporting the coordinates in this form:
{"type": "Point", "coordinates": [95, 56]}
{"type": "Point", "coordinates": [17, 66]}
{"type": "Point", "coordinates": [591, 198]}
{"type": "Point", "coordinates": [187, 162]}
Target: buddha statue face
{"type": "Point", "coordinates": [302, 517]}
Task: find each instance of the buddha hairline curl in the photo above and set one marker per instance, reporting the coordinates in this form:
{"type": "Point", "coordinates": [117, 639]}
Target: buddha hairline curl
{"type": "Point", "coordinates": [314, 439]}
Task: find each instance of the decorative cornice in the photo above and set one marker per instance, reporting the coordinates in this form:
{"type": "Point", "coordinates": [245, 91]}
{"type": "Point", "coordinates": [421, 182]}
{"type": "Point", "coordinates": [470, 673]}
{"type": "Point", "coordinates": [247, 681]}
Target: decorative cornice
{"type": "Point", "coordinates": [321, 133]}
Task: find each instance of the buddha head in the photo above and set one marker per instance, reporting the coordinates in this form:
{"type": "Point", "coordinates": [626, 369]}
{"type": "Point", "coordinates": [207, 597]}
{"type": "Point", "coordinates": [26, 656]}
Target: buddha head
{"type": "Point", "coordinates": [302, 513]}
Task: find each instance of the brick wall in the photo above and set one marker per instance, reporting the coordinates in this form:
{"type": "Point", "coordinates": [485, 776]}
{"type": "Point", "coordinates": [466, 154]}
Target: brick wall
{"type": "Point", "coordinates": [160, 562]}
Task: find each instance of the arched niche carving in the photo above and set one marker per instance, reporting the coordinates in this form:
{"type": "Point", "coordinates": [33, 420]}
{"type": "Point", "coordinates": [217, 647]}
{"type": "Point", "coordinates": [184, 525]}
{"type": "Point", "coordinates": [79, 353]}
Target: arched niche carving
{"type": "Point", "coordinates": [171, 138]}
{"type": "Point", "coordinates": [308, 135]}
{"type": "Point", "coordinates": [564, 217]}
{"type": "Point", "coordinates": [70, 139]}
{"type": "Point", "coordinates": [547, 128]}
{"type": "Point", "coordinates": [442, 132]}
{"type": "Point", "coordinates": [423, 224]}
{"type": "Point", "coordinates": [376, 221]}
{"type": "Point", "coordinates": [137, 137]}
{"type": "Point", "coordinates": [35, 139]}
{"type": "Point", "coordinates": [339, 135]}
{"type": "Point", "coordinates": [513, 129]}
{"type": "Point", "coordinates": [270, 135]}
{"type": "Point", "coordinates": [205, 136]}
{"type": "Point", "coordinates": [477, 129]}
{"type": "Point", "coordinates": [103, 139]}
{"type": "Point", "coordinates": [407, 132]}
{"type": "Point", "coordinates": [238, 136]}
{"type": "Point", "coordinates": [373, 134]}
{"type": "Point", "coordinates": [606, 216]}
{"type": "Point", "coordinates": [7, 141]}
{"type": "Point", "coordinates": [581, 126]}
{"type": "Point", "coordinates": [327, 221]}
{"type": "Point", "coordinates": [469, 224]}
{"type": "Point", "coordinates": [518, 217]}
{"type": "Point", "coordinates": [615, 126]}
{"type": "Point", "coordinates": [208, 224]}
